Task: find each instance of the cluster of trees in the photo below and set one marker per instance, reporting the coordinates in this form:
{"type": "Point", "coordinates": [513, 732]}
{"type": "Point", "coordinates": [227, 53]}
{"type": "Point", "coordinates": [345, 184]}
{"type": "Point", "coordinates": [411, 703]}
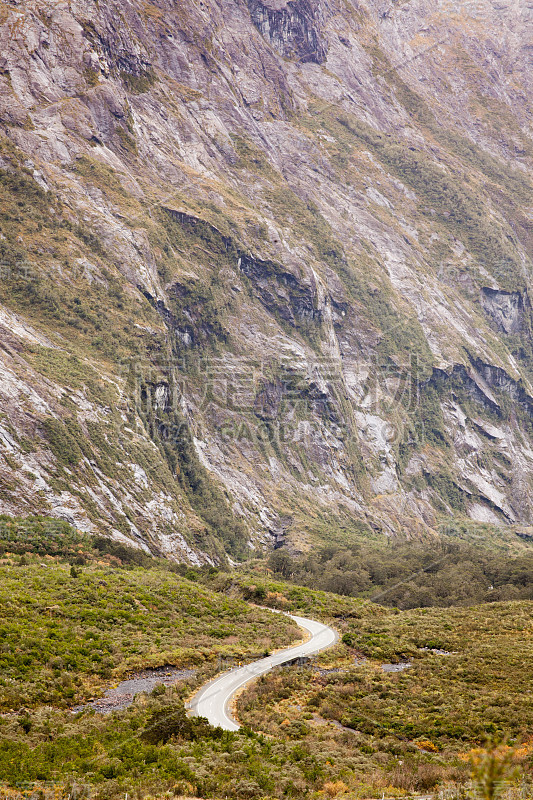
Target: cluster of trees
{"type": "Point", "coordinates": [409, 575]}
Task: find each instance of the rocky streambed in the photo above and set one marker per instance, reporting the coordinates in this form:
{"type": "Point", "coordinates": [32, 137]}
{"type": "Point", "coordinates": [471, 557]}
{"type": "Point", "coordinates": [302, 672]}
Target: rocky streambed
{"type": "Point", "coordinates": [123, 694]}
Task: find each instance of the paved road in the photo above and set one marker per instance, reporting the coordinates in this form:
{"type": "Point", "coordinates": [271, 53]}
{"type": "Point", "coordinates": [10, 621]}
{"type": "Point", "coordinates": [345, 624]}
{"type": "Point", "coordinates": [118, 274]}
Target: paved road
{"type": "Point", "coordinates": [212, 701]}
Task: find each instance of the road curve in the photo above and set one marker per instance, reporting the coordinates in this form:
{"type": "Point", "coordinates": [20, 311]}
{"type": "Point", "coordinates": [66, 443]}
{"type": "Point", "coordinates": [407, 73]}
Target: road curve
{"type": "Point", "coordinates": [212, 701]}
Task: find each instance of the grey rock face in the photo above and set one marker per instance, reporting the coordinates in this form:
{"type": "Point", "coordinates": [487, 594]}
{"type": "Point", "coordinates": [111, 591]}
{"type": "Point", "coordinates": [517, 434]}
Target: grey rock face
{"type": "Point", "coordinates": [505, 308]}
{"type": "Point", "coordinates": [293, 27]}
{"type": "Point", "coordinates": [284, 244]}
{"type": "Point", "coordinates": [280, 291]}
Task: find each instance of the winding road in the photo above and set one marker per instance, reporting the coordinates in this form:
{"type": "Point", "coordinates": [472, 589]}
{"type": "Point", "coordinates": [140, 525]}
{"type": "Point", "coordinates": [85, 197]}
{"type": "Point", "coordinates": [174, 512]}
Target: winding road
{"type": "Point", "coordinates": [212, 701]}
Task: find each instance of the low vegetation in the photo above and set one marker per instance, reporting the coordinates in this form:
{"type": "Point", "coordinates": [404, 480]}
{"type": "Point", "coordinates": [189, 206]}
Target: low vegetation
{"type": "Point", "coordinates": [407, 697]}
{"type": "Point", "coordinates": [79, 613]}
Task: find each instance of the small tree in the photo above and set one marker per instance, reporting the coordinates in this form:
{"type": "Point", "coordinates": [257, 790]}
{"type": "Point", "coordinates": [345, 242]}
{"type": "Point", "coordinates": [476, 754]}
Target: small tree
{"type": "Point", "coordinates": [281, 562]}
{"type": "Point", "coordinates": [172, 721]}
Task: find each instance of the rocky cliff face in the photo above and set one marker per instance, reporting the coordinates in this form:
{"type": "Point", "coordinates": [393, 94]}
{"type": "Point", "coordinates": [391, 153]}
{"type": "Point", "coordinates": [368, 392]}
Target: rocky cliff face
{"type": "Point", "coordinates": [266, 268]}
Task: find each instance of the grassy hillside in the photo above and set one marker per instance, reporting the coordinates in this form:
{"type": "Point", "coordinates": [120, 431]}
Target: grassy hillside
{"type": "Point", "coordinates": [68, 628]}
{"type": "Point", "coordinates": [76, 618]}
{"type": "Point", "coordinates": [470, 673]}
{"type": "Point", "coordinates": [414, 729]}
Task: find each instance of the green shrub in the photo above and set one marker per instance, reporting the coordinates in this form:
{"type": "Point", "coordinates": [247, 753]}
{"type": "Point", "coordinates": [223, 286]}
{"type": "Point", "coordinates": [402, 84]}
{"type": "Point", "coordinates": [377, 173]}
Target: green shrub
{"type": "Point", "coordinates": [139, 84]}
{"type": "Point", "coordinates": [172, 721]}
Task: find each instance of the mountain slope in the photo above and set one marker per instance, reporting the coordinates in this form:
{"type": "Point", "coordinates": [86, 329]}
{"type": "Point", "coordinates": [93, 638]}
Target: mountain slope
{"type": "Point", "coordinates": [266, 268]}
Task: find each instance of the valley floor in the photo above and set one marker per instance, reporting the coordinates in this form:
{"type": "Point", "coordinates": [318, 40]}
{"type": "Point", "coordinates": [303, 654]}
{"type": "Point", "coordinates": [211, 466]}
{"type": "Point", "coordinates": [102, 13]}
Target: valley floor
{"type": "Point", "coordinates": [340, 725]}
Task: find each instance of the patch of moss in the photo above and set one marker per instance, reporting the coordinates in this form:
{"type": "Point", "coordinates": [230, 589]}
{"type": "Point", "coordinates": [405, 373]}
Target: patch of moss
{"type": "Point", "coordinates": [92, 76]}
{"type": "Point", "coordinates": [61, 441]}
{"type": "Point", "coordinates": [60, 366]}
{"type": "Point", "coordinates": [99, 174]}
{"type": "Point", "coordinates": [252, 158]}
{"type": "Point", "coordinates": [139, 84]}
{"type": "Point", "coordinates": [126, 139]}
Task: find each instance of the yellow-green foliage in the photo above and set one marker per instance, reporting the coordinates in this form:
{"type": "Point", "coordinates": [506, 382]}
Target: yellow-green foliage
{"type": "Point", "coordinates": [252, 158]}
{"type": "Point", "coordinates": [466, 684]}
{"type": "Point", "coordinates": [474, 690]}
{"type": "Point", "coordinates": [59, 631]}
{"type": "Point", "coordinates": [99, 175]}
{"type": "Point", "coordinates": [377, 733]}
